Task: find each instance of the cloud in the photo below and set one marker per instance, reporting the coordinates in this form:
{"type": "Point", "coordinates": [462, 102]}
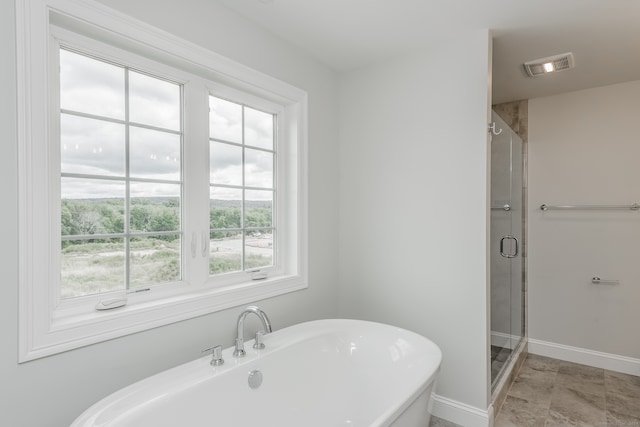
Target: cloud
{"type": "Point", "coordinates": [97, 147]}
{"type": "Point", "coordinates": [226, 166]}
{"type": "Point", "coordinates": [154, 154]}
{"type": "Point", "coordinates": [225, 120]}
{"type": "Point", "coordinates": [223, 193]}
{"type": "Point", "coordinates": [151, 189]}
{"type": "Point", "coordinates": [225, 163]}
{"type": "Point", "coordinates": [258, 128]}
{"type": "Point", "coordinates": [90, 146]}
{"type": "Point", "coordinates": [79, 188]}
{"type": "Point", "coordinates": [91, 86]}
{"type": "Point", "coordinates": [259, 195]}
{"type": "Point", "coordinates": [82, 188]}
{"type": "Point", "coordinates": [258, 168]}
{"type": "Point", "coordinates": [227, 175]}
{"type": "Point", "coordinates": [225, 123]}
{"type": "Point", "coordinates": [154, 102]}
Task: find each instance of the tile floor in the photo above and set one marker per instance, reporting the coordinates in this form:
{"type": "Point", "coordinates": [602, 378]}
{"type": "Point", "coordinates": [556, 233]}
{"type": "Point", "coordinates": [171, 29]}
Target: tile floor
{"type": "Point", "coordinates": [439, 422]}
{"type": "Point", "coordinates": [553, 393]}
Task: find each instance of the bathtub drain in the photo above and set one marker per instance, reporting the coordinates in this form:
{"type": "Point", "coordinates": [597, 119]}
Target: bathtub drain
{"type": "Point", "coordinates": [255, 379]}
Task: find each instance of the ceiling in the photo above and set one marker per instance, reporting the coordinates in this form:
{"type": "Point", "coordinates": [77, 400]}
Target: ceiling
{"type": "Point", "coordinates": [604, 35]}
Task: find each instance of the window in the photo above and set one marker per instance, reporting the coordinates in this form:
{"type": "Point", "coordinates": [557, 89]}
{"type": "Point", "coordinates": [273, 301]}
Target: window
{"type": "Point", "coordinates": [242, 157]}
{"type": "Point", "coordinates": [152, 172]}
{"type": "Point", "coordinates": [120, 148]}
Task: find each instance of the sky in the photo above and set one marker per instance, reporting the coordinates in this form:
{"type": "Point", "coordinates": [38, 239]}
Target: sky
{"type": "Point", "coordinates": [96, 146]}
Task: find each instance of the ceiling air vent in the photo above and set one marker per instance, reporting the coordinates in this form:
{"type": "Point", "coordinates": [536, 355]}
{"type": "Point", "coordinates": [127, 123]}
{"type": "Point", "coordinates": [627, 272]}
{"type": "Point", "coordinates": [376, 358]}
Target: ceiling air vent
{"type": "Point", "coordinates": [549, 65]}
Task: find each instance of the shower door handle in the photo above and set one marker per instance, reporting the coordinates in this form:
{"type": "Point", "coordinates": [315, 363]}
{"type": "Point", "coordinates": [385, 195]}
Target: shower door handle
{"type": "Point", "coordinates": [515, 253]}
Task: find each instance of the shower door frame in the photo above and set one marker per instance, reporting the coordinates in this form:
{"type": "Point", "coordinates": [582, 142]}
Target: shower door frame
{"type": "Point", "coordinates": [516, 215]}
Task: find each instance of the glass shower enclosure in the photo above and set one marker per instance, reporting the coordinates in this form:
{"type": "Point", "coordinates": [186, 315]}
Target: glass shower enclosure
{"type": "Point", "coordinates": [507, 229]}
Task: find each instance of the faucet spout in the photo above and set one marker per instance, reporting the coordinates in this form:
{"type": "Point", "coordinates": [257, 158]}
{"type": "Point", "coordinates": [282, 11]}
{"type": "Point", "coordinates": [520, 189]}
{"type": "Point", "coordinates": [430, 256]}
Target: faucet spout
{"type": "Point", "coordinates": [239, 351]}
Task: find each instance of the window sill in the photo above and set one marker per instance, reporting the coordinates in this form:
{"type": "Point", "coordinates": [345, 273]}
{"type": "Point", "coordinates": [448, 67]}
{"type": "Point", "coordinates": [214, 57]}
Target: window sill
{"type": "Point", "coordinates": [73, 330]}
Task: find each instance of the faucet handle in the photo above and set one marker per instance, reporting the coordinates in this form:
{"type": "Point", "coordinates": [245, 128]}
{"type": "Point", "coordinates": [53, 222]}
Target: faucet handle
{"type": "Point", "coordinates": [259, 342]}
{"type": "Point", "coordinates": [217, 359]}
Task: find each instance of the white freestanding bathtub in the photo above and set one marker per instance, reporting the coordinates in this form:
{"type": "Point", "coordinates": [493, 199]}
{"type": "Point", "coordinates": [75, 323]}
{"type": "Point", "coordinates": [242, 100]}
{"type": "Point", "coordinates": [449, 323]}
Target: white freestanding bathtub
{"type": "Point", "coordinates": [322, 373]}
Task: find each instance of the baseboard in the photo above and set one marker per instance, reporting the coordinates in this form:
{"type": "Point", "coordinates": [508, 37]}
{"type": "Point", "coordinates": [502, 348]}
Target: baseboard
{"type": "Point", "coordinates": [460, 413]}
{"type": "Point", "coordinates": [612, 362]}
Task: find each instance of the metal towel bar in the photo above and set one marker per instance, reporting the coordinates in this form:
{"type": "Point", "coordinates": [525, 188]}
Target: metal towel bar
{"type": "Point", "coordinates": [633, 207]}
{"type": "Point", "coordinates": [599, 281]}
{"type": "Point", "coordinates": [505, 207]}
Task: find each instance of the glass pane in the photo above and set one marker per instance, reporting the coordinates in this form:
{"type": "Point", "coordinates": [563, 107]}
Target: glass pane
{"type": "Point", "coordinates": [155, 207]}
{"type": "Point", "coordinates": [500, 266]}
{"type": "Point", "coordinates": [91, 86]}
{"type": "Point", "coordinates": [258, 168]}
{"type": "Point", "coordinates": [225, 250]}
{"type": "Point", "coordinates": [258, 249]}
{"type": "Point", "coordinates": [154, 154]}
{"type": "Point", "coordinates": [91, 147]}
{"type": "Point", "coordinates": [225, 208]}
{"type": "Point", "coordinates": [92, 206]}
{"type": "Point", "coordinates": [225, 120]}
{"type": "Point", "coordinates": [258, 208]}
{"type": "Point", "coordinates": [154, 259]}
{"type": "Point", "coordinates": [91, 267]}
{"type": "Point", "coordinates": [506, 273]}
{"type": "Point", "coordinates": [153, 101]}
{"type": "Point", "coordinates": [258, 128]}
{"type": "Point", "coordinates": [225, 163]}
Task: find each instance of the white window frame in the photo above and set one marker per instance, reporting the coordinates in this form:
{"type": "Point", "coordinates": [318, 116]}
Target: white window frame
{"type": "Point", "coordinates": [61, 38]}
{"type": "Point", "coordinates": [47, 326]}
{"type": "Point", "coordinates": [231, 94]}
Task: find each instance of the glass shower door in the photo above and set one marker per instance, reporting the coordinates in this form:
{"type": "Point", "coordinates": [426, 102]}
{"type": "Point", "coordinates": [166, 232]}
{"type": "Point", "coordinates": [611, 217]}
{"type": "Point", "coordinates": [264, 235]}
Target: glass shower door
{"type": "Point", "coordinates": [506, 245]}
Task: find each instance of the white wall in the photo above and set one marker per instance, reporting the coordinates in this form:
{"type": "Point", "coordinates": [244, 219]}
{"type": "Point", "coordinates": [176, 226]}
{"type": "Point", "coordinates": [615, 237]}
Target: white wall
{"type": "Point", "coordinates": [51, 392]}
{"type": "Point", "coordinates": [584, 148]}
{"type": "Point", "coordinates": [413, 203]}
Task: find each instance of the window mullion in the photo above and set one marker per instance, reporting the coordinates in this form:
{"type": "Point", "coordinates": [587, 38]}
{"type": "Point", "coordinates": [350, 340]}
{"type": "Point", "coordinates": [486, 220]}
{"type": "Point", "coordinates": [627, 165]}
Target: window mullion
{"type": "Point", "coordinates": [195, 211]}
{"type": "Point", "coordinates": [243, 208]}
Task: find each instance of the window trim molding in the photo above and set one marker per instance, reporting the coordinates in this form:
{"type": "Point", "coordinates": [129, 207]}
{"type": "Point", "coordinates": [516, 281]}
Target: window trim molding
{"type": "Point", "coordinates": [40, 332]}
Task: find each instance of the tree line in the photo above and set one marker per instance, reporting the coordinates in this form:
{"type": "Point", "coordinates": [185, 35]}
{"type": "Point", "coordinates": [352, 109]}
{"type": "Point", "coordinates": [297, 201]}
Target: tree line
{"type": "Point", "coordinates": [106, 216]}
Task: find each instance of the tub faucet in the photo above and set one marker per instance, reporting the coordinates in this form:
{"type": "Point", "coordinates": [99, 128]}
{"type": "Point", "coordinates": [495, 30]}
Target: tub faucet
{"type": "Point", "coordinates": [239, 351]}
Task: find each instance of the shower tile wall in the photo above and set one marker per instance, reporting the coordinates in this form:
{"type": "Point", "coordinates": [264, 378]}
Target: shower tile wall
{"type": "Point", "coordinates": [516, 115]}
